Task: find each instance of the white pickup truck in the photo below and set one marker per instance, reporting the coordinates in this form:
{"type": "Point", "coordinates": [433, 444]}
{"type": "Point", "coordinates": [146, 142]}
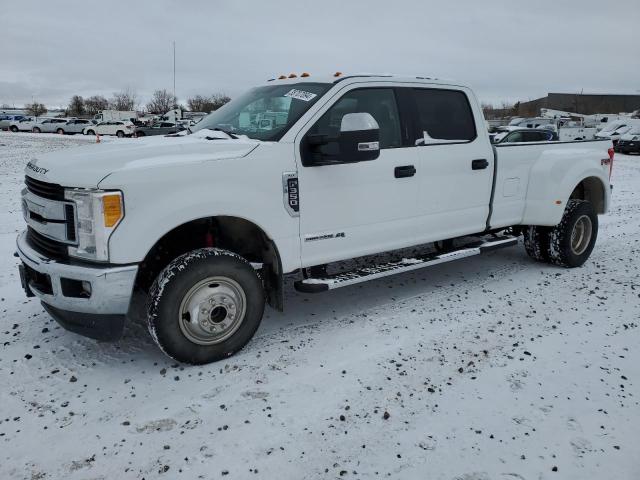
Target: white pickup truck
{"type": "Point", "coordinates": [207, 223]}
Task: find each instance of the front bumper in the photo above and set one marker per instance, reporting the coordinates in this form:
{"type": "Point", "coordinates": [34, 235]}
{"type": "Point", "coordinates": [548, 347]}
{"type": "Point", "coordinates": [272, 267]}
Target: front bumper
{"type": "Point", "coordinates": [107, 299]}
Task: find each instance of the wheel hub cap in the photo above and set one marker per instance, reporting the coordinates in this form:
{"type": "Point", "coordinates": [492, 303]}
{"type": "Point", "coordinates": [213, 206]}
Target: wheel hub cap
{"type": "Point", "coordinates": [581, 235]}
{"type": "Point", "coordinates": [212, 310]}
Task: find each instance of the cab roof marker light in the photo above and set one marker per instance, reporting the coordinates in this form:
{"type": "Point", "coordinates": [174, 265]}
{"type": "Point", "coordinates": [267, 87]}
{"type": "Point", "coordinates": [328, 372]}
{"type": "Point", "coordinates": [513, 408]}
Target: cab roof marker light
{"type": "Point", "coordinates": [304, 75]}
{"type": "Point", "coordinates": [293, 75]}
{"type": "Point", "coordinates": [337, 74]}
{"type": "Point", "coordinates": [282, 77]}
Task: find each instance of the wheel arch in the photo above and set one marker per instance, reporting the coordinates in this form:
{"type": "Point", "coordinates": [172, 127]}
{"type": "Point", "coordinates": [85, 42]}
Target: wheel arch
{"type": "Point", "coordinates": [593, 190]}
{"type": "Point", "coordinates": [236, 234]}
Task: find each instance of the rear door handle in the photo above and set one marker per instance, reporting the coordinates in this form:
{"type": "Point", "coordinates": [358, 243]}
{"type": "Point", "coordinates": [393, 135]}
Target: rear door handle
{"type": "Point", "coordinates": [480, 164]}
{"type": "Point", "coordinates": [404, 171]}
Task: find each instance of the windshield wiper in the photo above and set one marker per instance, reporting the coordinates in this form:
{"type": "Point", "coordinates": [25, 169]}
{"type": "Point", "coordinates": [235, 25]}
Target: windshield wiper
{"type": "Point", "coordinates": [232, 135]}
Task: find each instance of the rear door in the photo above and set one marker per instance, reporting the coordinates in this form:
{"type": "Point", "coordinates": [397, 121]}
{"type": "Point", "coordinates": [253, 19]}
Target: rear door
{"type": "Point", "coordinates": [456, 163]}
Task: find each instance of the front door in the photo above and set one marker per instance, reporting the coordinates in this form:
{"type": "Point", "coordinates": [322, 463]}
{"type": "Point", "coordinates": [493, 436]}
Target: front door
{"type": "Point", "coordinates": [353, 209]}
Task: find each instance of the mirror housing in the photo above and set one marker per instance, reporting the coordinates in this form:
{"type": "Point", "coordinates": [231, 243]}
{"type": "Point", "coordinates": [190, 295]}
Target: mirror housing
{"type": "Point", "coordinates": [357, 141]}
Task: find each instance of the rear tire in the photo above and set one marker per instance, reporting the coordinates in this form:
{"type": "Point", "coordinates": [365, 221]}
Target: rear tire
{"type": "Point", "coordinates": [572, 240]}
{"type": "Point", "coordinates": [536, 242]}
{"type": "Point", "coordinates": [120, 134]}
{"type": "Point", "coordinates": [218, 287]}
{"type": "Point", "coordinates": [13, 128]}
{"type": "Point", "coordinates": [36, 130]}
{"type": "Point", "coordinates": [90, 132]}
{"type": "Point", "coordinates": [60, 131]}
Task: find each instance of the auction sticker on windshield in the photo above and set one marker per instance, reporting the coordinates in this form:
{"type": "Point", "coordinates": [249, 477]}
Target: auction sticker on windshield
{"type": "Point", "coordinates": [300, 95]}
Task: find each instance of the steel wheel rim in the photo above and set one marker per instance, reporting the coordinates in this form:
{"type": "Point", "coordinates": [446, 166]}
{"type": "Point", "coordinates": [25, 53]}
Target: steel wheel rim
{"type": "Point", "coordinates": [581, 235]}
{"type": "Point", "coordinates": [212, 310]}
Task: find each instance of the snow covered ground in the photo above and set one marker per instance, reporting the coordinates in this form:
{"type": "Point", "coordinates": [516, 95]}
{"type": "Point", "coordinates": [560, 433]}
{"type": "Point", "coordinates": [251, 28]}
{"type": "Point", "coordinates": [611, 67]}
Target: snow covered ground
{"type": "Point", "coordinates": [491, 368]}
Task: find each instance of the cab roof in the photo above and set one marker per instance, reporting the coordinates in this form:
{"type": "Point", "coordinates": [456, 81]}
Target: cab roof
{"type": "Point", "coordinates": [341, 77]}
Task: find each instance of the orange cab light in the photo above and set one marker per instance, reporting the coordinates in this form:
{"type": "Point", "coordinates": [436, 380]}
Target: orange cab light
{"type": "Point", "coordinates": [293, 75]}
{"type": "Point", "coordinates": [305, 74]}
{"type": "Point", "coordinates": [282, 77]}
{"type": "Point", "coordinates": [337, 74]}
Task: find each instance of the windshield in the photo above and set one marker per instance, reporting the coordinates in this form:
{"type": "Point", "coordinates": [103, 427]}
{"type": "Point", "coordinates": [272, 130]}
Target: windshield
{"type": "Point", "coordinates": [611, 127]}
{"type": "Point", "coordinates": [265, 113]}
{"type": "Point", "coordinates": [622, 129]}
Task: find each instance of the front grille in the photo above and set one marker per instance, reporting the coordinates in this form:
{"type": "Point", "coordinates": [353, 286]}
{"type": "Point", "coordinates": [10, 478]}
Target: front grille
{"type": "Point", "coordinates": [71, 222]}
{"type": "Point", "coordinates": [46, 246]}
{"type": "Point", "coordinates": [52, 191]}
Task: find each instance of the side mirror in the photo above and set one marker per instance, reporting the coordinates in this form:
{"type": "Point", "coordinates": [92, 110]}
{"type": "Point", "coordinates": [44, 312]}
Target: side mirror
{"type": "Point", "coordinates": [359, 138]}
{"type": "Point", "coordinates": [357, 141]}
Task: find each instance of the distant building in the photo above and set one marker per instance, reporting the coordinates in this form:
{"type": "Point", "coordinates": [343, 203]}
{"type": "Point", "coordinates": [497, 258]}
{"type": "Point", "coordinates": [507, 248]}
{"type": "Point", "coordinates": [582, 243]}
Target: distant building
{"type": "Point", "coordinates": [586, 104]}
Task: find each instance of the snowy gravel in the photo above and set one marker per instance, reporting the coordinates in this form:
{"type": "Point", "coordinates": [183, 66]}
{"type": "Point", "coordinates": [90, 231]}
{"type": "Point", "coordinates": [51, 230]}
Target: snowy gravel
{"type": "Point", "coordinates": [495, 367]}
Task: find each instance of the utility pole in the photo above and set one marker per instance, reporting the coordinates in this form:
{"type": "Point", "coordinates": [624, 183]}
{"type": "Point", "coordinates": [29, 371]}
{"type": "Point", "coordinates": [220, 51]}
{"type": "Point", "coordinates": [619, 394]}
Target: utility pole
{"type": "Point", "coordinates": [175, 99]}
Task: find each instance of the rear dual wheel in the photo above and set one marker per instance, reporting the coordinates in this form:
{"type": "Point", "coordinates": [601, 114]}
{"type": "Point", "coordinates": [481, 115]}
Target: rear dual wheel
{"type": "Point", "coordinates": [568, 244]}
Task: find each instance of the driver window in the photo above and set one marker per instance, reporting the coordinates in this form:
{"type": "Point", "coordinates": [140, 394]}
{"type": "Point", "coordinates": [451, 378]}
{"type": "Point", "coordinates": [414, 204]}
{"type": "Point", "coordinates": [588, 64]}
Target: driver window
{"type": "Point", "coordinates": [379, 102]}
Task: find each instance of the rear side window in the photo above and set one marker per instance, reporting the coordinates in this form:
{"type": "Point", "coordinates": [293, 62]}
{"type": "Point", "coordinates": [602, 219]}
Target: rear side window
{"type": "Point", "coordinates": [444, 115]}
{"type": "Point", "coordinates": [534, 136]}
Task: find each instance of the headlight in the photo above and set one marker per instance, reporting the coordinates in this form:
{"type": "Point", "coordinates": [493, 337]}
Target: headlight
{"type": "Point", "coordinates": [98, 213]}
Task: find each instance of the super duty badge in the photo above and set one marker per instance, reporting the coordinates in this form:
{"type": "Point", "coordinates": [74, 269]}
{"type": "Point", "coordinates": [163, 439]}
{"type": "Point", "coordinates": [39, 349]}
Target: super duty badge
{"type": "Point", "coordinates": [291, 193]}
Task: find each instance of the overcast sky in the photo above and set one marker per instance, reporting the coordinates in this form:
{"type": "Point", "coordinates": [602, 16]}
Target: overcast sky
{"type": "Point", "coordinates": [506, 50]}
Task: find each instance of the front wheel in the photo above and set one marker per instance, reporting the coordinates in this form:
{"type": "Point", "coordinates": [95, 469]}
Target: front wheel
{"type": "Point", "coordinates": [90, 132]}
{"type": "Point", "coordinates": [60, 131]}
{"type": "Point", "coordinates": [573, 239]}
{"type": "Point", "coordinates": [120, 134]}
{"type": "Point", "coordinates": [36, 130]}
{"type": "Point", "coordinates": [13, 128]}
{"type": "Point", "coordinates": [205, 306]}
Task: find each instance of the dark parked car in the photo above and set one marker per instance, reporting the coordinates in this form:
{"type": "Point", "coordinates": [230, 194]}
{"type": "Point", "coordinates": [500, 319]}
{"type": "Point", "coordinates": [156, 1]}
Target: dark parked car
{"type": "Point", "coordinates": [529, 135]}
{"type": "Point", "coordinates": [162, 128]}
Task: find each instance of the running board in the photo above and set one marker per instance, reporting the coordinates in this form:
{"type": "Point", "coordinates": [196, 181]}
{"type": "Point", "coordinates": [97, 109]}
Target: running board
{"type": "Point", "coordinates": [344, 279]}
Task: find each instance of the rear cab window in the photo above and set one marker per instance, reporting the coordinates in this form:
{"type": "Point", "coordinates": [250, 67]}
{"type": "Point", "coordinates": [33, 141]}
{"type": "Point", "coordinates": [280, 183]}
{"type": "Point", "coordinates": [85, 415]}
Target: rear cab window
{"type": "Point", "coordinates": [443, 116]}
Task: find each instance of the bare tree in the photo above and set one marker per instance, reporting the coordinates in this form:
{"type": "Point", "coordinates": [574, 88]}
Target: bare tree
{"type": "Point", "coordinates": [124, 100]}
{"type": "Point", "coordinates": [162, 101]}
{"type": "Point", "coordinates": [95, 104]}
{"type": "Point", "coordinates": [76, 106]}
{"type": "Point", "coordinates": [36, 109]}
{"type": "Point", "coordinates": [201, 103]}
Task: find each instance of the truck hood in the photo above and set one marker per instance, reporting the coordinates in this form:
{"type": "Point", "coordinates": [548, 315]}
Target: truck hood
{"type": "Point", "coordinates": [86, 166]}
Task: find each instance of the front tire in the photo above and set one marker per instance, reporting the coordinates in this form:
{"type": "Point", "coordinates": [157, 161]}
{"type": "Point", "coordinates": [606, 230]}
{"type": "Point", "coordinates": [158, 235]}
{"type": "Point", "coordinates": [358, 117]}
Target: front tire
{"type": "Point", "coordinates": [205, 306]}
{"type": "Point", "coordinates": [572, 240]}
{"type": "Point", "coordinates": [90, 132]}
{"type": "Point", "coordinates": [36, 130]}
{"type": "Point", "coordinates": [60, 131]}
{"type": "Point", "coordinates": [13, 128]}
{"type": "Point", "coordinates": [120, 134]}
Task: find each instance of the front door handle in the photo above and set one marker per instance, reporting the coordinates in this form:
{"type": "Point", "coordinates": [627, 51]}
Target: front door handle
{"type": "Point", "coordinates": [480, 164]}
{"type": "Point", "coordinates": [404, 171]}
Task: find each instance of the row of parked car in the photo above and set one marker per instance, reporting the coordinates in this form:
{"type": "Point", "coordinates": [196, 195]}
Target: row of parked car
{"type": "Point", "coordinates": [64, 126]}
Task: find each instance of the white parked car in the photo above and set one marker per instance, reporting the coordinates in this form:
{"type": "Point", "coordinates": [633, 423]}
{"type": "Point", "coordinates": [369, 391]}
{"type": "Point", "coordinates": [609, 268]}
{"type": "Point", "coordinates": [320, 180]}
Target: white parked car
{"type": "Point", "coordinates": [23, 125]}
{"type": "Point", "coordinates": [49, 125]}
{"type": "Point", "coordinates": [615, 130]}
{"type": "Point", "coordinates": [75, 125]}
{"type": "Point", "coordinates": [209, 222]}
{"type": "Point", "coordinates": [119, 128]}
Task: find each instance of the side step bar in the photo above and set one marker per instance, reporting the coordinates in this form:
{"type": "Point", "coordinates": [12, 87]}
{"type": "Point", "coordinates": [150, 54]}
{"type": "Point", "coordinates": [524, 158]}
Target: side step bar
{"type": "Point", "coordinates": [344, 279]}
